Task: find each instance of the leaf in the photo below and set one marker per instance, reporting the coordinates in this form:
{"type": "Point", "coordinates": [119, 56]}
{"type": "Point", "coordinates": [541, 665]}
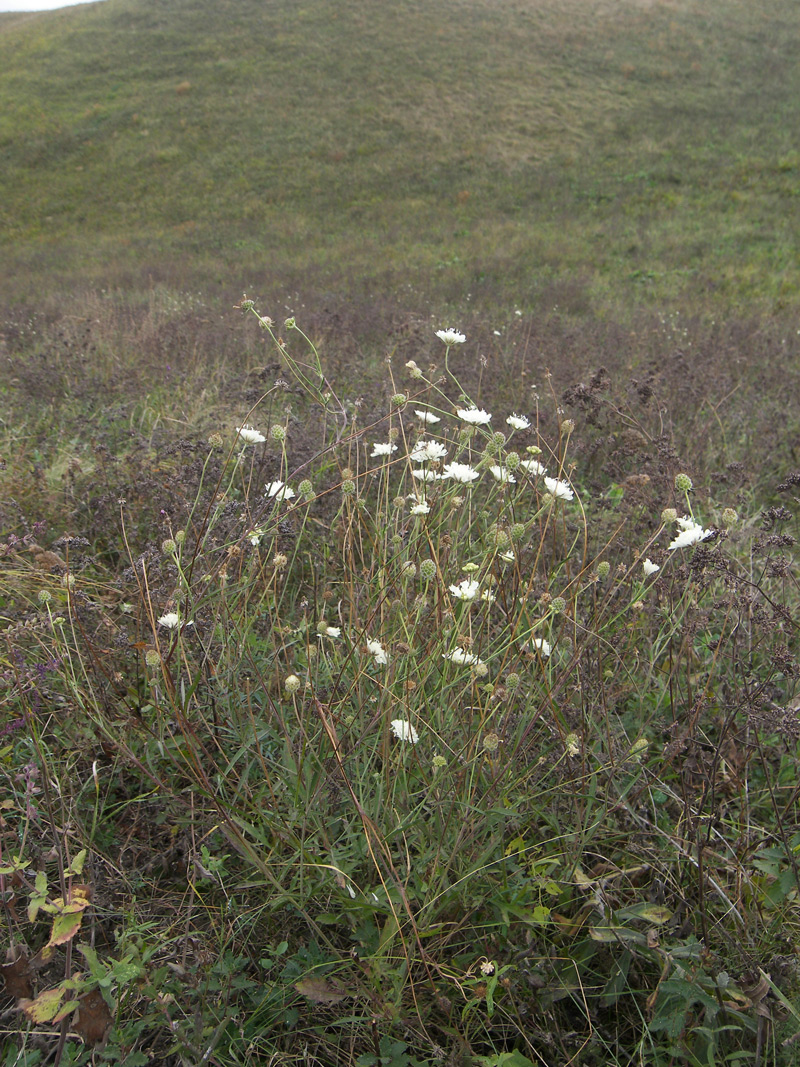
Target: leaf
{"type": "Point", "coordinates": [321, 991]}
{"type": "Point", "coordinates": [65, 926]}
{"type": "Point", "coordinates": [92, 1020]}
{"type": "Point", "coordinates": [44, 1007]}
{"type": "Point", "coordinates": [609, 934]}
{"type": "Point", "coordinates": [76, 867]}
{"type": "Point", "coordinates": [504, 1059]}
{"type": "Point", "coordinates": [651, 913]}
{"type": "Point", "coordinates": [38, 897]}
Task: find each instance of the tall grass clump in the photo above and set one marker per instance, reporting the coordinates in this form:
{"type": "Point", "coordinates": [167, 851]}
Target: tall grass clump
{"type": "Point", "coordinates": [453, 758]}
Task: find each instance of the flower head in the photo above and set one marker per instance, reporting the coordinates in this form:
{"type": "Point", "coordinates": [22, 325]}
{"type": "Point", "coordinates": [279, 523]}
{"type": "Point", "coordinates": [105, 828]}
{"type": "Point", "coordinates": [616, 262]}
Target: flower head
{"type": "Point", "coordinates": [280, 490]}
{"type": "Point", "coordinates": [501, 474]}
{"type": "Point", "coordinates": [422, 474]}
{"type": "Point", "coordinates": [250, 436]}
{"type": "Point", "coordinates": [171, 621]}
{"type": "Point", "coordinates": [422, 507]}
{"type": "Point", "coordinates": [424, 451]}
{"type": "Point", "coordinates": [691, 533]}
{"type": "Point", "coordinates": [458, 655]}
{"type": "Point", "coordinates": [376, 649]}
{"type": "Point", "coordinates": [460, 472]}
{"type": "Point", "coordinates": [518, 422]}
{"type": "Point", "coordinates": [383, 449]}
{"type": "Point", "coordinates": [475, 416]}
{"type": "Point", "coordinates": [541, 646]}
{"type": "Point", "coordinates": [451, 337]}
{"type": "Point", "coordinates": [533, 466]}
{"type": "Point", "coordinates": [427, 416]}
{"type": "Point", "coordinates": [466, 589]}
{"type": "Point", "coordinates": [404, 731]}
{"type": "Point", "coordinates": [560, 490]}
{"type": "Point", "coordinates": [650, 568]}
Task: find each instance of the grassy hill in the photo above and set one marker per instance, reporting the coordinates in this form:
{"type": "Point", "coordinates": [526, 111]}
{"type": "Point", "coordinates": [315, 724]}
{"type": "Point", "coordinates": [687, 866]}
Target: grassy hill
{"type": "Point", "coordinates": [605, 154]}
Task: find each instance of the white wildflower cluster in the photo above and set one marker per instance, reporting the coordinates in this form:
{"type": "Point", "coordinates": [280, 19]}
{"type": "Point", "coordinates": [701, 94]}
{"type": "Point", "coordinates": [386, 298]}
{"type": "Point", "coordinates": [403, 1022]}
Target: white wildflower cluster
{"type": "Point", "coordinates": [691, 533]}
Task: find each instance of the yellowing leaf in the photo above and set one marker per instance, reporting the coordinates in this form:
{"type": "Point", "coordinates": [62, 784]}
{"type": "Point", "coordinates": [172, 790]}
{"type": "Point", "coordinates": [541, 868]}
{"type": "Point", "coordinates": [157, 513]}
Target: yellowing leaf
{"type": "Point", "coordinates": [651, 913]}
{"type": "Point", "coordinates": [65, 926]}
{"type": "Point", "coordinates": [321, 991]}
{"type": "Point", "coordinates": [76, 867]}
{"type": "Point", "coordinates": [45, 1007]}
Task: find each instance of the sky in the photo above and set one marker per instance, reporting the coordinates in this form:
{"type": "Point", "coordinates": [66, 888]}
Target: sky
{"type": "Point", "coordinates": [36, 5]}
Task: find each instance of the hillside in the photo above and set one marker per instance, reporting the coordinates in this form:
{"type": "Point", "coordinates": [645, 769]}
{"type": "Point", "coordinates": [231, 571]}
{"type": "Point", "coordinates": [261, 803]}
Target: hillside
{"type": "Point", "coordinates": [610, 153]}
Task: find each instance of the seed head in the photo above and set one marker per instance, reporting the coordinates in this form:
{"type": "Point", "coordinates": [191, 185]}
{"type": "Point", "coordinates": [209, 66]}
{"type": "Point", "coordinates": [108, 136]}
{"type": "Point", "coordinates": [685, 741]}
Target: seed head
{"type": "Point", "coordinates": [603, 569]}
{"type": "Point", "coordinates": [427, 569]}
{"type": "Point", "coordinates": [668, 515]}
{"type": "Point", "coordinates": [683, 483]}
{"type": "Point", "coordinates": [292, 684]}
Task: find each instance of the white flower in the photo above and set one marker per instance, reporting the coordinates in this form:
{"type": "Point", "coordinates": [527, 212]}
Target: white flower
{"type": "Point", "coordinates": [650, 568]}
{"type": "Point", "coordinates": [280, 490]}
{"type": "Point", "coordinates": [692, 532]}
{"type": "Point", "coordinates": [509, 557]}
{"type": "Point", "coordinates": [466, 589]}
{"type": "Point", "coordinates": [254, 537]}
{"type": "Point", "coordinates": [250, 436]}
{"type": "Point", "coordinates": [458, 655]}
{"type": "Point", "coordinates": [488, 596]}
{"type": "Point", "coordinates": [460, 472]}
{"type": "Point", "coordinates": [476, 416]}
{"type": "Point", "coordinates": [533, 466]}
{"type": "Point", "coordinates": [383, 449]}
{"type": "Point", "coordinates": [404, 731]}
{"type": "Point", "coordinates": [451, 337]}
{"type": "Point", "coordinates": [427, 416]}
{"type": "Point", "coordinates": [331, 631]}
{"type": "Point", "coordinates": [518, 422]}
{"type": "Point", "coordinates": [501, 474]}
{"type": "Point", "coordinates": [560, 490]}
{"type": "Point", "coordinates": [171, 620]}
{"type": "Point", "coordinates": [427, 450]}
{"type": "Point", "coordinates": [422, 507]}
{"type": "Point", "coordinates": [376, 649]}
{"type": "Point", "coordinates": [541, 646]}
{"type": "Point", "coordinates": [422, 474]}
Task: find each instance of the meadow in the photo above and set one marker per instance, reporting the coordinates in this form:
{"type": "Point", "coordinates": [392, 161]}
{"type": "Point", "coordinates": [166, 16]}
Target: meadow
{"type": "Point", "coordinates": [398, 475]}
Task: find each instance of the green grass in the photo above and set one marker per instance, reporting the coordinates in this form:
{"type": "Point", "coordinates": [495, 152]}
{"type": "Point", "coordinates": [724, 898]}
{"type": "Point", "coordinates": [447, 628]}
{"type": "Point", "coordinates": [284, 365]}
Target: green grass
{"type": "Point", "coordinates": [643, 153]}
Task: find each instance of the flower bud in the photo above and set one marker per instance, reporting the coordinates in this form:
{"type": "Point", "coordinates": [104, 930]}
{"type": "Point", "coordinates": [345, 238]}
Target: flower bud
{"type": "Point", "coordinates": [683, 483]}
